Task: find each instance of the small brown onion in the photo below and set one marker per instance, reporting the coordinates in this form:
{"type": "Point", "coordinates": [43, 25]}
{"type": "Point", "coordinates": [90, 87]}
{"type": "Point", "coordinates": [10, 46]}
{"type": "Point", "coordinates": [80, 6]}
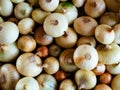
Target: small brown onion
{"type": "Point", "coordinates": [61, 75]}
{"type": "Point", "coordinates": [29, 64]}
{"type": "Point", "coordinates": [26, 43]}
{"type": "Point", "coordinates": [105, 78]}
{"type": "Point", "coordinates": [85, 57]}
{"type": "Point", "coordinates": [102, 87]}
{"type": "Point", "coordinates": [95, 8]}
{"type": "Point", "coordinates": [42, 51]}
{"type": "Point", "coordinates": [99, 69]}
{"type": "Point", "coordinates": [109, 54]}
{"type": "Point", "coordinates": [51, 65]}
{"type": "Point", "coordinates": [41, 37]}
{"type": "Point", "coordinates": [66, 60]}
{"type": "Point", "coordinates": [54, 50]}
{"type": "Point", "coordinates": [80, 25]}
{"type": "Point", "coordinates": [86, 40]}
{"type": "Point", "coordinates": [68, 40]}
{"type": "Point", "coordinates": [9, 77]}
{"type": "Point", "coordinates": [67, 84]}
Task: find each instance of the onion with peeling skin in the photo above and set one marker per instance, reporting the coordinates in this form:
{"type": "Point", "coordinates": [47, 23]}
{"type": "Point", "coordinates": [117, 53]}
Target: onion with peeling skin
{"type": "Point", "coordinates": [46, 82]}
{"type": "Point", "coordinates": [48, 5]}
{"type": "Point", "coordinates": [85, 79]}
{"type": "Point", "coordinates": [22, 10]}
{"type": "Point", "coordinates": [6, 8]}
{"type": "Point", "coordinates": [29, 64]}
{"type": "Point", "coordinates": [8, 53]}
{"type": "Point", "coordinates": [68, 40]}
{"type": "Point", "coordinates": [115, 83]}
{"type": "Point", "coordinates": [85, 57]}
{"type": "Point", "coordinates": [67, 84]}
{"type": "Point", "coordinates": [114, 69]}
{"type": "Point", "coordinates": [86, 40]}
{"type": "Point", "coordinates": [69, 10]}
{"type": "Point", "coordinates": [41, 37]}
{"type": "Point", "coordinates": [55, 24]}
{"type": "Point", "coordinates": [26, 25]}
{"type": "Point", "coordinates": [112, 51]}
{"type": "Point", "coordinates": [27, 83]}
{"type": "Point", "coordinates": [66, 60]}
{"type": "Point", "coordinates": [39, 15]}
{"type": "Point", "coordinates": [9, 77]}
{"type": "Point", "coordinates": [80, 24]}
{"type": "Point", "coordinates": [26, 43]}
{"type": "Point", "coordinates": [104, 34]}
{"type": "Point", "coordinates": [9, 32]}
{"type": "Point", "coordinates": [102, 87]}
{"type": "Point", "coordinates": [95, 8]}
{"type": "Point", "coordinates": [51, 65]}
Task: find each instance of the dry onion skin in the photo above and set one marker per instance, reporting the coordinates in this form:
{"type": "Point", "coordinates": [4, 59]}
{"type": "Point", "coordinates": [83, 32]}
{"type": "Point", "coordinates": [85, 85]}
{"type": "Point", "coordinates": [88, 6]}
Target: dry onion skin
{"type": "Point", "coordinates": [69, 10]}
{"type": "Point", "coordinates": [29, 64]}
{"type": "Point", "coordinates": [85, 57]}
{"type": "Point", "coordinates": [6, 7]}
{"type": "Point", "coordinates": [46, 82]}
{"type": "Point", "coordinates": [112, 51]}
{"type": "Point", "coordinates": [80, 24]}
{"type": "Point", "coordinates": [9, 76]}
{"type": "Point", "coordinates": [9, 32]}
{"type": "Point", "coordinates": [27, 83]}
{"type": "Point", "coordinates": [94, 8]}
{"type": "Point", "coordinates": [48, 5]}
{"type": "Point", "coordinates": [68, 40]}
{"type": "Point", "coordinates": [55, 24]}
{"type": "Point", "coordinates": [85, 79]}
{"type": "Point", "coordinates": [115, 82]}
{"type": "Point", "coordinates": [9, 53]}
{"type": "Point", "coordinates": [67, 84]}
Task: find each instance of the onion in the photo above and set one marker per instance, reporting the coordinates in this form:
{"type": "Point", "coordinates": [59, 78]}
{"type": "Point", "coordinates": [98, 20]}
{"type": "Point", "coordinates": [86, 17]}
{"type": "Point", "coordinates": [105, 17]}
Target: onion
{"type": "Point", "coordinates": [112, 51]}
{"type": "Point", "coordinates": [80, 24]}
{"type": "Point", "coordinates": [1, 20]}
{"type": "Point", "coordinates": [48, 5]}
{"type": "Point", "coordinates": [9, 77]}
{"type": "Point", "coordinates": [66, 60]}
{"type": "Point", "coordinates": [90, 40]}
{"type": "Point", "coordinates": [47, 82]}
{"type": "Point", "coordinates": [17, 1]}
{"type": "Point", "coordinates": [102, 87]}
{"type": "Point", "coordinates": [69, 10]}
{"type": "Point", "coordinates": [85, 79]}
{"type": "Point", "coordinates": [115, 83]}
{"type": "Point", "coordinates": [55, 24]}
{"type": "Point", "coordinates": [8, 32]}
{"type": "Point", "coordinates": [67, 84]}
{"type": "Point", "coordinates": [22, 10]}
{"type": "Point", "coordinates": [6, 7]}
{"type": "Point", "coordinates": [8, 53]}
{"type": "Point", "coordinates": [33, 2]}
{"type": "Point", "coordinates": [95, 8]}
{"type": "Point", "coordinates": [27, 83]}
{"type": "Point", "coordinates": [26, 43]}
{"type": "Point", "coordinates": [28, 64]}
{"type": "Point", "coordinates": [51, 65]}
{"type": "Point", "coordinates": [85, 57]}
{"type": "Point", "coordinates": [39, 15]}
{"type": "Point", "coordinates": [78, 3]}
{"type": "Point", "coordinates": [26, 25]}
{"type": "Point", "coordinates": [68, 40]}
